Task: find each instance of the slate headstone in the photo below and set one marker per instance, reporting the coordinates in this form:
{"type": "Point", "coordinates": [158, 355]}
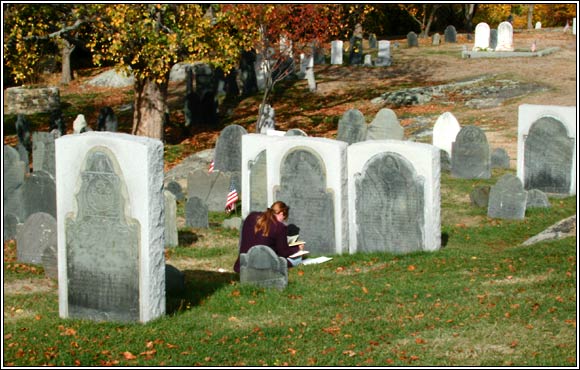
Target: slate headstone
{"type": "Point", "coordinates": [170, 234]}
{"type": "Point", "coordinates": [479, 196]}
{"type": "Point", "coordinates": [500, 158]}
{"type": "Point", "coordinates": [352, 127]}
{"type": "Point", "coordinates": [196, 213]}
{"type": "Point", "coordinates": [228, 150]}
{"type": "Point", "coordinates": [470, 158]}
{"type": "Point", "coordinates": [263, 268]}
{"type": "Point", "coordinates": [175, 188]}
{"type": "Point", "coordinates": [385, 125]}
{"type": "Point", "coordinates": [37, 233]}
{"type": "Point", "coordinates": [39, 194]}
{"type": "Point", "coordinates": [412, 40]}
{"type": "Point", "coordinates": [507, 199]}
{"type": "Point", "coordinates": [537, 199]}
{"type": "Point", "coordinates": [43, 151]}
{"type": "Point", "coordinates": [450, 34]}
{"type": "Point", "coordinates": [13, 179]}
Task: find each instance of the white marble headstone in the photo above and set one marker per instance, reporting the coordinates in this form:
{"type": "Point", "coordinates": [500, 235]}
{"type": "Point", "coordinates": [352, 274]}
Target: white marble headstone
{"type": "Point", "coordinates": [505, 37]}
{"type": "Point", "coordinates": [336, 52]}
{"type": "Point", "coordinates": [445, 130]}
{"type": "Point", "coordinates": [481, 36]}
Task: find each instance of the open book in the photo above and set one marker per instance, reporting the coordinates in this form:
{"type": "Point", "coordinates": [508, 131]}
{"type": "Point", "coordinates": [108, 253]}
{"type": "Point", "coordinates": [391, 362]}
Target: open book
{"type": "Point", "coordinates": [293, 240]}
{"type": "Point", "coordinates": [298, 254]}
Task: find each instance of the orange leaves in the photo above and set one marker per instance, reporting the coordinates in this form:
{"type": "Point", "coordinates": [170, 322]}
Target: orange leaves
{"type": "Point", "coordinates": [129, 355]}
{"type": "Point", "coordinates": [332, 330]}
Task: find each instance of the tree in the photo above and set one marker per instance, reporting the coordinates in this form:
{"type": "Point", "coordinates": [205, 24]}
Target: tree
{"type": "Point", "coordinates": [423, 14]}
{"type": "Point", "coordinates": [148, 39]}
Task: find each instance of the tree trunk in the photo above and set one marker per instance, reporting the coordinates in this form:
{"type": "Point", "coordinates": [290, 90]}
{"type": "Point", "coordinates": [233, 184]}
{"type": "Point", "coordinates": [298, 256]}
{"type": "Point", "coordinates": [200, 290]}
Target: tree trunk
{"type": "Point", "coordinates": [530, 15]}
{"type": "Point", "coordinates": [469, 13]}
{"type": "Point", "coordinates": [66, 73]}
{"type": "Point", "coordinates": [149, 108]}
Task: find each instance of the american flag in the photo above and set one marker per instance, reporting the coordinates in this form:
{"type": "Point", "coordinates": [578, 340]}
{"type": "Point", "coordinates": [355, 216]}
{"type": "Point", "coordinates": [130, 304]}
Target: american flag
{"type": "Point", "coordinates": [211, 165]}
{"type": "Point", "coordinates": [232, 198]}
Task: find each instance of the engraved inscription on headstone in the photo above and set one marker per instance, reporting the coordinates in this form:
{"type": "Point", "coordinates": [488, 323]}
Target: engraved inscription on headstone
{"type": "Point", "coordinates": [548, 156]}
{"type": "Point", "coordinates": [37, 233]}
{"type": "Point", "coordinates": [258, 183]}
{"type": "Point", "coordinates": [352, 127]}
{"type": "Point", "coordinates": [102, 244]}
{"type": "Point", "coordinates": [228, 149]}
{"type": "Point", "coordinates": [389, 205]}
{"type": "Point", "coordinates": [507, 199]}
{"type": "Point", "coordinates": [303, 189]}
{"type": "Point", "coordinates": [39, 193]}
{"type": "Point", "coordinates": [470, 158]}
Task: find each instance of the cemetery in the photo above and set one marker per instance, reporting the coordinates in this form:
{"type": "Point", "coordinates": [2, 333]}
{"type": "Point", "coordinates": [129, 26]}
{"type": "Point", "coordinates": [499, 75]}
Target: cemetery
{"type": "Point", "coordinates": [441, 186]}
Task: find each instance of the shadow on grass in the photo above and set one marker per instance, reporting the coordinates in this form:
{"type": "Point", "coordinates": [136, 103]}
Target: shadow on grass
{"type": "Point", "coordinates": [199, 285]}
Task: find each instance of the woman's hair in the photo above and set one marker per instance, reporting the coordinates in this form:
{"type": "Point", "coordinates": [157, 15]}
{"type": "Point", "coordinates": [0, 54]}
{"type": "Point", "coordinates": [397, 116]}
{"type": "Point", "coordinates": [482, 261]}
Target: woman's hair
{"type": "Point", "coordinates": [269, 217]}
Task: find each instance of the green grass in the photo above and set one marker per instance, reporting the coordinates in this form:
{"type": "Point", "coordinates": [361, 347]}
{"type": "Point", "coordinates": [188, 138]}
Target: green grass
{"type": "Point", "coordinates": [481, 300]}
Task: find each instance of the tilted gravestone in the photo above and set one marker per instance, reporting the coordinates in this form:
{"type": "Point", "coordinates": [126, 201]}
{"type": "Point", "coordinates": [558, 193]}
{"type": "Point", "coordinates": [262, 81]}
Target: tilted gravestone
{"type": "Point", "coordinates": [111, 226]}
{"type": "Point", "coordinates": [385, 126]}
{"type": "Point", "coordinates": [37, 233]}
{"type": "Point", "coordinates": [450, 34]}
{"type": "Point", "coordinates": [170, 234]}
{"type": "Point", "coordinates": [470, 158]}
{"type": "Point", "coordinates": [39, 193]}
{"type": "Point", "coordinates": [500, 158]}
{"type": "Point", "coordinates": [352, 127]}
{"type": "Point", "coordinates": [228, 149]}
{"type": "Point", "coordinates": [507, 199]}
{"type": "Point", "coordinates": [412, 40]}
{"type": "Point", "coordinates": [262, 267]}
{"type": "Point", "coordinates": [537, 199]}
{"type": "Point", "coordinates": [196, 213]}
{"type": "Point", "coordinates": [13, 178]}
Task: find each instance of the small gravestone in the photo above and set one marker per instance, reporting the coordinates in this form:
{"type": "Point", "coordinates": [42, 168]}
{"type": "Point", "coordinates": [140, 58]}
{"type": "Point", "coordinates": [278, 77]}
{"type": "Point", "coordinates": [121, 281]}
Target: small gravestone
{"type": "Point", "coordinates": [493, 38]}
{"type": "Point", "coordinates": [436, 39]}
{"type": "Point", "coordinates": [368, 61]}
{"type": "Point", "coordinates": [175, 188]}
{"type": "Point", "coordinates": [352, 127]}
{"type": "Point", "coordinates": [336, 52]}
{"type": "Point", "coordinates": [174, 281]}
{"type": "Point", "coordinates": [505, 37]}
{"type": "Point", "coordinates": [507, 199]}
{"type": "Point", "coordinates": [107, 120]}
{"type": "Point", "coordinates": [170, 233]}
{"type": "Point", "coordinates": [445, 131]}
{"type": "Point", "coordinates": [481, 37]}
{"type": "Point", "coordinates": [13, 179]}
{"type": "Point", "coordinates": [295, 132]}
{"type": "Point", "coordinates": [196, 213]}
{"type": "Point", "coordinates": [450, 34]}
{"type": "Point", "coordinates": [39, 194]}
{"type": "Point", "coordinates": [232, 223]}
{"type": "Point", "coordinates": [43, 152]}
{"type": "Point", "coordinates": [470, 158]}
{"type": "Point", "coordinates": [412, 40]}
{"type": "Point", "coordinates": [537, 199]}
{"type": "Point", "coordinates": [263, 268]}
{"type": "Point", "coordinates": [385, 125]}
{"type": "Point", "coordinates": [212, 188]}
{"type": "Point", "coordinates": [37, 233]}
{"type": "Point", "coordinates": [479, 196]}
{"type": "Point", "coordinates": [258, 182]}
{"type": "Point", "coordinates": [80, 125]}
{"type": "Point", "coordinates": [500, 158]}
{"type": "Point", "coordinates": [50, 261]}
{"type": "Point", "coordinates": [11, 226]}
{"type": "Point", "coordinates": [372, 41]}
{"type": "Point", "coordinates": [228, 149]}
{"type": "Point", "coordinates": [384, 54]}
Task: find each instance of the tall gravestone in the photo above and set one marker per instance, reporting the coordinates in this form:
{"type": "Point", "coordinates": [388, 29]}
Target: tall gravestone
{"type": "Point", "coordinates": [412, 40]}
{"type": "Point", "coordinates": [394, 197]}
{"type": "Point", "coordinates": [470, 157]}
{"type": "Point", "coordinates": [547, 148]}
{"type": "Point", "coordinates": [507, 199]}
{"type": "Point", "coordinates": [385, 126]}
{"type": "Point", "coordinates": [445, 131]}
{"type": "Point", "coordinates": [356, 46]}
{"type": "Point", "coordinates": [505, 37]}
{"type": "Point", "coordinates": [450, 34]}
{"type": "Point", "coordinates": [171, 235]}
{"type": "Point", "coordinates": [13, 178]}
{"type": "Point", "coordinates": [39, 193]}
{"type": "Point", "coordinates": [352, 127]}
{"type": "Point", "coordinates": [336, 52]}
{"type": "Point", "coordinates": [481, 37]}
{"type": "Point", "coordinates": [111, 227]}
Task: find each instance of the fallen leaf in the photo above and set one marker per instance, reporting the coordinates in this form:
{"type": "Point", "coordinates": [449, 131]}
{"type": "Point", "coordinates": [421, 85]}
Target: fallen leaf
{"type": "Point", "coordinates": [129, 356]}
{"type": "Point", "coordinates": [411, 268]}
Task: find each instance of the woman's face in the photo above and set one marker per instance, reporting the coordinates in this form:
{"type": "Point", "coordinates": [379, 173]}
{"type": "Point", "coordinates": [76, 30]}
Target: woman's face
{"type": "Point", "coordinates": [280, 216]}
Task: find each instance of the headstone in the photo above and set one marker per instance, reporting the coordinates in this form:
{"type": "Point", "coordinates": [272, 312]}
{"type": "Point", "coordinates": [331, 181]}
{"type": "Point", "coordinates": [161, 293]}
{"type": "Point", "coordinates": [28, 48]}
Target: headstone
{"type": "Point", "coordinates": [481, 37]}
{"type": "Point", "coordinates": [23, 131]}
{"type": "Point", "coordinates": [479, 196]}
{"type": "Point", "coordinates": [500, 158]}
{"type": "Point", "coordinates": [111, 227]}
{"type": "Point", "coordinates": [196, 213]}
{"type": "Point", "coordinates": [175, 188]}
{"type": "Point", "coordinates": [170, 233]}
{"type": "Point", "coordinates": [258, 182]}
{"type": "Point", "coordinates": [50, 261]}
{"type": "Point", "coordinates": [372, 41]}
{"type": "Point", "coordinates": [263, 268]}
{"type": "Point", "coordinates": [505, 37]}
{"type": "Point", "coordinates": [43, 151]}
{"type": "Point", "coordinates": [212, 188]}
{"type": "Point", "coordinates": [57, 123]}
{"type": "Point", "coordinates": [356, 49]}
{"type": "Point", "coordinates": [394, 197]}
{"type": "Point", "coordinates": [445, 131]}
{"type": "Point", "coordinates": [295, 132]}
{"type": "Point", "coordinates": [107, 120]}
{"type": "Point", "coordinates": [11, 226]}
{"type": "Point", "coordinates": [228, 149]}
{"type": "Point", "coordinates": [384, 54]}
{"type": "Point", "coordinates": [13, 179]}
{"type": "Point", "coordinates": [37, 233]}
{"type": "Point", "coordinates": [385, 125]}
{"type": "Point", "coordinates": [352, 127]}
{"type": "Point", "coordinates": [539, 25]}
{"type": "Point", "coordinates": [39, 194]}
{"type": "Point", "coordinates": [547, 148]}
{"type": "Point", "coordinates": [450, 34]}
{"type": "Point", "coordinates": [80, 125]}
{"type": "Point", "coordinates": [493, 39]}
{"type": "Point", "coordinates": [336, 52]}
{"type": "Point", "coordinates": [507, 199]}
{"type": "Point", "coordinates": [368, 61]}
{"type": "Point", "coordinates": [436, 39]}
{"type": "Point", "coordinates": [537, 199]}
{"type": "Point", "coordinates": [445, 161]}
{"type": "Point", "coordinates": [470, 158]}
{"type": "Point", "coordinates": [412, 40]}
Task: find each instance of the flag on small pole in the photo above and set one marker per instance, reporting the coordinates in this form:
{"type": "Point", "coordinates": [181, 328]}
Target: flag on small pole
{"type": "Point", "coordinates": [232, 198]}
{"type": "Point", "coordinates": [211, 166]}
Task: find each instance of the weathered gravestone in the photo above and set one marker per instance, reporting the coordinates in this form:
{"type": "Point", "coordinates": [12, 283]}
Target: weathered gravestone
{"type": "Point", "coordinates": [384, 54]}
{"type": "Point", "coordinates": [43, 151]}
{"type": "Point", "coordinates": [262, 267]}
{"type": "Point", "coordinates": [546, 148]}
{"type": "Point", "coordinates": [500, 158]}
{"type": "Point", "coordinates": [537, 199]}
{"type": "Point", "coordinates": [412, 40]}
{"type": "Point", "coordinates": [507, 199]}
{"type": "Point", "coordinates": [37, 233]}
{"type": "Point", "coordinates": [352, 127]}
{"type": "Point", "coordinates": [295, 132]}
{"type": "Point", "coordinates": [505, 37]}
{"type": "Point", "coordinates": [470, 158]}
{"type": "Point", "coordinates": [445, 131]}
{"type": "Point", "coordinates": [196, 213]}
{"type": "Point", "coordinates": [394, 197]}
{"type": "Point", "coordinates": [175, 188]}
{"type": "Point", "coordinates": [228, 149]}
{"type": "Point", "coordinates": [481, 37]}
{"type": "Point", "coordinates": [212, 188]}
{"type": "Point", "coordinates": [493, 38]}
{"type": "Point", "coordinates": [336, 52]}
{"type": "Point", "coordinates": [11, 226]}
{"type": "Point", "coordinates": [171, 236]}
{"type": "Point", "coordinates": [50, 261]}
{"type": "Point", "coordinates": [258, 182]}
{"type": "Point", "coordinates": [450, 34]}
{"type": "Point", "coordinates": [111, 227]}
{"type": "Point", "coordinates": [13, 178]}
{"type": "Point", "coordinates": [436, 39]}
{"type": "Point", "coordinates": [384, 126]}
{"type": "Point", "coordinates": [39, 194]}
{"type": "Point", "coordinates": [479, 196]}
